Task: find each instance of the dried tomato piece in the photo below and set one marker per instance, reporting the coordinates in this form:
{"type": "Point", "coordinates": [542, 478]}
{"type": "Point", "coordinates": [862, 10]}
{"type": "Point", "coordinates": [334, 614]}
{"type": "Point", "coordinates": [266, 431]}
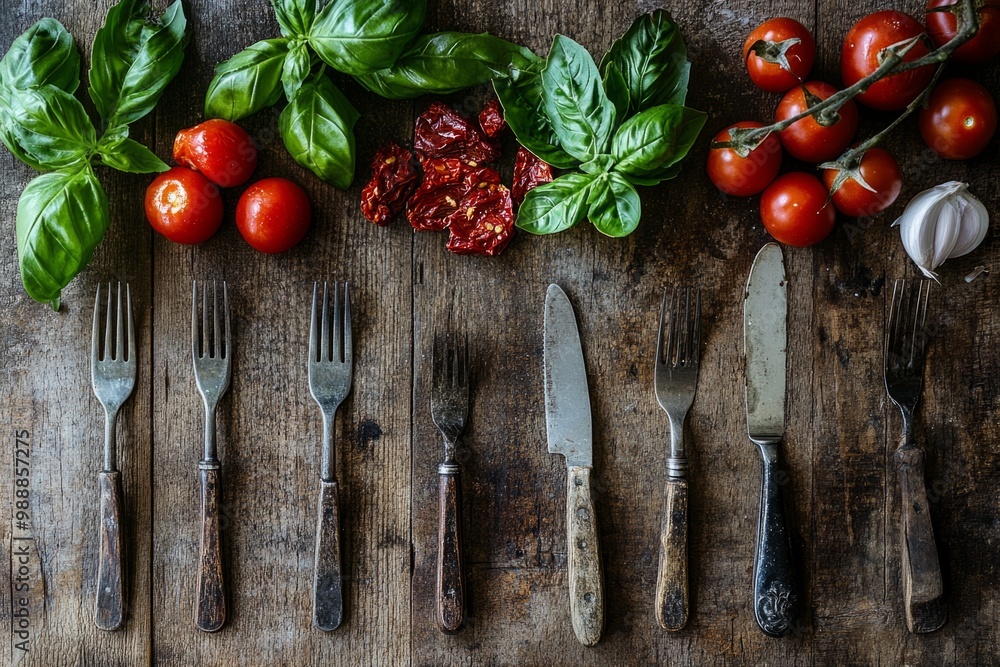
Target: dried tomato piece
{"type": "Point", "coordinates": [484, 222]}
{"type": "Point", "coordinates": [529, 171]}
{"type": "Point", "coordinates": [491, 119]}
{"type": "Point", "coordinates": [394, 178]}
{"type": "Point", "coordinates": [441, 132]}
{"type": "Point", "coordinates": [446, 183]}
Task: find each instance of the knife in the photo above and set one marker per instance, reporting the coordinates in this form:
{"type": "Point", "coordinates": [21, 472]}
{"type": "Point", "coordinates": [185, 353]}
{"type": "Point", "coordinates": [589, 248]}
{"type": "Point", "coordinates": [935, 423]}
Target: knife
{"type": "Point", "coordinates": [765, 310]}
{"type": "Point", "coordinates": [567, 420]}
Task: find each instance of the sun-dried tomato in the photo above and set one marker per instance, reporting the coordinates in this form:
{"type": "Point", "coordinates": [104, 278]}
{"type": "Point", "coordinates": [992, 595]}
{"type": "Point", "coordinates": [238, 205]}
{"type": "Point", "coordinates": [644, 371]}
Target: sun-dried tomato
{"type": "Point", "coordinates": [529, 171]}
{"type": "Point", "coordinates": [447, 181]}
{"type": "Point", "coordinates": [394, 178]}
{"type": "Point", "coordinates": [441, 132]}
{"type": "Point", "coordinates": [483, 223]}
{"type": "Point", "coordinates": [491, 119]}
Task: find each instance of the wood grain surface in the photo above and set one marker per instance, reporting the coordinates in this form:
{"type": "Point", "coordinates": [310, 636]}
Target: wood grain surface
{"type": "Point", "coordinates": [837, 451]}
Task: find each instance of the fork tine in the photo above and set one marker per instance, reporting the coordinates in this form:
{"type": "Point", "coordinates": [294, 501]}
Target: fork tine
{"type": "Point", "coordinates": [225, 306]}
{"type": "Point", "coordinates": [131, 327]}
{"type": "Point", "coordinates": [95, 345]}
{"type": "Point", "coordinates": [670, 351]}
{"type": "Point", "coordinates": [453, 339]}
{"type": "Point", "coordinates": [206, 343]}
{"type": "Point", "coordinates": [464, 378]}
{"type": "Point", "coordinates": [313, 342]}
{"type": "Point", "coordinates": [338, 323]}
{"type": "Point", "coordinates": [108, 331]}
{"type": "Point", "coordinates": [659, 332]}
{"type": "Point", "coordinates": [324, 341]}
{"type": "Point", "coordinates": [120, 326]}
{"type": "Point", "coordinates": [194, 321]}
{"type": "Point", "coordinates": [696, 356]}
{"type": "Point", "coordinates": [348, 357]}
{"type": "Point", "coordinates": [216, 332]}
{"type": "Point", "coordinates": [688, 331]}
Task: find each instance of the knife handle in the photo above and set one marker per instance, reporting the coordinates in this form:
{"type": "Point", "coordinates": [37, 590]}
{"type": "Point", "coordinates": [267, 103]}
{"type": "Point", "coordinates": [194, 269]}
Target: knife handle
{"type": "Point", "coordinates": [328, 596]}
{"type": "Point", "coordinates": [775, 592]}
{"type": "Point", "coordinates": [110, 609]}
{"type": "Point", "coordinates": [923, 588]}
{"type": "Point", "coordinates": [672, 579]}
{"type": "Point", "coordinates": [450, 583]}
{"type": "Point", "coordinates": [210, 614]}
{"type": "Point", "coordinates": [586, 582]}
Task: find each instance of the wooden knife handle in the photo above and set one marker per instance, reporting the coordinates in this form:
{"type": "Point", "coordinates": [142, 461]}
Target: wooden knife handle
{"type": "Point", "coordinates": [775, 591]}
{"type": "Point", "coordinates": [923, 589]}
{"type": "Point", "coordinates": [328, 595]}
{"type": "Point", "coordinates": [210, 613]}
{"type": "Point", "coordinates": [110, 609]}
{"type": "Point", "coordinates": [586, 581]}
{"type": "Point", "coordinates": [451, 586]}
{"type": "Point", "coordinates": [672, 578]}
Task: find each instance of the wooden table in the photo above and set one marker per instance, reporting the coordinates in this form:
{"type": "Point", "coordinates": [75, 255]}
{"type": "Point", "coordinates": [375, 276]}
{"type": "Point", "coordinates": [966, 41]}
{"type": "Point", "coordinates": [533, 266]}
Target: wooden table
{"type": "Point", "coordinates": [841, 428]}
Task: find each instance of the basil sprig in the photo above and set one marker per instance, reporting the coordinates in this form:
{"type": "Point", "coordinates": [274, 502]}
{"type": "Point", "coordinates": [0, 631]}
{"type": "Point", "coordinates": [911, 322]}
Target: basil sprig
{"type": "Point", "coordinates": [622, 124]}
{"type": "Point", "coordinates": [62, 215]}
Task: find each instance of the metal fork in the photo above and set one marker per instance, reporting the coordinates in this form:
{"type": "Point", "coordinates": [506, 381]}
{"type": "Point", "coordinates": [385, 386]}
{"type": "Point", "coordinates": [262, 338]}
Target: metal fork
{"type": "Point", "coordinates": [330, 373]}
{"type": "Point", "coordinates": [212, 352]}
{"type": "Point", "coordinates": [450, 411]}
{"type": "Point", "coordinates": [113, 377]}
{"type": "Point", "coordinates": [905, 344]}
{"type": "Point", "coordinates": [678, 346]}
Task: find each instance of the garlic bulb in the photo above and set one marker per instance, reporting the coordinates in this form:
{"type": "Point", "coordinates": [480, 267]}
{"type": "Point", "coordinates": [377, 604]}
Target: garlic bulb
{"type": "Point", "coordinates": [940, 223]}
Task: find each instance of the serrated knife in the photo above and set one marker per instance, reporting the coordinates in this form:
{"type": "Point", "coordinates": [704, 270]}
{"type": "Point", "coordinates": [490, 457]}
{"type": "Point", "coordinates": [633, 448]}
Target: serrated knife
{"type": "Point", "coordinates": [567, 421]}
{"type": "Point", "coordinates": [765, 311]}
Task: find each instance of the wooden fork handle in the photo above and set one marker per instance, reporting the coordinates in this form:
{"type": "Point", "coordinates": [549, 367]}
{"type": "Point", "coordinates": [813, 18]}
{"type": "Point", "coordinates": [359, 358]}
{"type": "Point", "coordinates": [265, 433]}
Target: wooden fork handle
{"type": "Point", "coordinates": [923, 589]}
{"type": "Point", "coordinates": [672, 578]}
{"type": "Point", "coordinates": [110, 608]}
{"type": "Point", "coordinates": [586, 579]}
{"type": "Point", "coordinates": [210, 614]}
{"type": "Point", "coordinates": [450, 580]}
{"type": "Point", "coordinates": [775, 591]}
{"type": "Point", "coordinates": [328, 596]}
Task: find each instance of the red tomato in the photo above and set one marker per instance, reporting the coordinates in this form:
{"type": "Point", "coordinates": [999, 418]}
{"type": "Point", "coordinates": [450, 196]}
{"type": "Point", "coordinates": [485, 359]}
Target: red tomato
{"type": "Point", "coordinates": [739, 176]}
{"type": "Point", "coordinates": [795, 211]}
{"type": "Point", "coordinates": [959, 120]}
{"type": "Point", "coordinates": [221, 150]}
{"type": "Point", "coordinates": [806, 139]}
{"type": "Point", "coordinates": [879, 170]}
{"type": "Point", "coordinates": [864, 45]}
{"type": "Point", "coordinates": [184, 206]}
{"type": "Point", "coordinates": [273, 215]}
{"type": "Point", "coordinates": [768, 72]}
{"type": "Point", "coordinates": [985, 44]}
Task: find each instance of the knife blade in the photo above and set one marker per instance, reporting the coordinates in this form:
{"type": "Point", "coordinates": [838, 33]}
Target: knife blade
{"type": "Point", "coordinates": [765, 314]}
{"type": "Point", "coordinates": [569, 430]}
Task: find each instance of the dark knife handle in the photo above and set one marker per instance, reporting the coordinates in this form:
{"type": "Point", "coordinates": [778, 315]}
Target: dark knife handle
{"type": "Point", "coordinates": [923, 588]}
{"type": "Point", "coordinates": [776, 599]}
{"type": "Point", "coordinates": [328, 593]}
{"type": "Point", "coordinates": [450, 582]}
{"type": "Point", "coordinates": [672, 580]}
{"type": "Point", "coordinates": [586, 580]}
{"type": "Point", "coordinates": [110, 608]}
{"type": "Point", "coordinates": [210, 614]}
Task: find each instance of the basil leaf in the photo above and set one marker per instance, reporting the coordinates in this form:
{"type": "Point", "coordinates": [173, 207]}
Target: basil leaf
{"type": "Point", "coordinates": [134, 58]}
{"type": "Point", "coordinates": [652, 59]}
{"type": "Point", "coordinates": [520, 94]}
{"type": "Point", "coordinates": [52, 126]}
{"type": "Point", "coordinates": [295, 17]}
{"type": "Point", "coordinates": [119, 152]}
{"type": "Point", "coordinates": [574, 100]}
{"type": "Point", "coordinates": [445, 62]}
{"type": "Point", "coordinates": [554, 207]}
{"type": "Point", "coordinates": [613, 206]}
{"type": "Point", "coordinates": [656, 139]}
{"type": "Point", "coordinates": [655, 178]}
{"type": "Point", "coordinates": [43, 55]}
{"type": "Point", "coordinates": [617, 90]}
{"type": "Point", "coordinates": [295, 69]}
{"type": "Point", "coordinates": [362, 36]}
{"type": "Point", "coordinates": [61, 218]}
{"type": "Point", "coordinates": [247, 82]}
{"type": "Point", "coordinates": [318, 129]}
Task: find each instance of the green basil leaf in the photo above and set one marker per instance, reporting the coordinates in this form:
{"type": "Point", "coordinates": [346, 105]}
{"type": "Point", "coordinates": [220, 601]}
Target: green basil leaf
{"type": "Point", "coordinates": [362, 36]}
{"type": "Point", "coordinates": [43, 55]}
{"type": "Point", "coordinates": [614, 206]}
{"type": "Point", "coordinates": [61, 217]}
{"type": "Point", "coordinates": [318, 129]}
{"type": "Point", "coordinates": [119, 152]}
{"type": "Point", "coordinates": [556, 206]}
{"type": "Point", "coordinates": [652, 58]}
{"type": "Point", "coordinates": [295, 69]}
{"type": "Point", "coordinates": [598, 165]}
{"type": "Point", "coordinates": [445, 62]}
{"type": "Point", "coordinates": [247, 82]}
{"type": "Point", "coordinates": [574, 100]}
{"type": "Point", "coordinates": [656, 139]}
{"type": "Point", "coordinates": [295, 17]}
{"type": "Point", "coordinates": [657, 177]}
{"type": "Point", "coordinates": [617, 90]}
{"type": "Point", "coordinates": [52, 126]}
{"type": "Point", "coordinates": [134, 58]}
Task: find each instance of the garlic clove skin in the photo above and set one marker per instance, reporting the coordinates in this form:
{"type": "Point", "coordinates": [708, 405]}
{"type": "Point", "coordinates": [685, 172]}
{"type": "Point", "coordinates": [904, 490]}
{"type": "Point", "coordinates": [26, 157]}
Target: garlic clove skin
{"type": "Point", "coordinates": [972, 234]}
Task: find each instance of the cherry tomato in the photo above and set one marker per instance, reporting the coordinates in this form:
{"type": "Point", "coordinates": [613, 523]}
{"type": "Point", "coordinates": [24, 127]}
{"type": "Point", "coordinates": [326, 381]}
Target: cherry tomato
{"type": "Point", "coordinates": [985, 44]}
{"type": "Point", "coordinates": [221, 150]}
{"type": "Point", "coordinates": [767, 49]}
{"type": "Point", "coordinates": [795, 211]}
{"type": "Point", "coordinates": [863, 53]}
{"type": "Point", "coordinates": [959, 120]}
{"type": "Point", "coordinates": [184, 206]}
{"type": "Point", "coordinates": [273, 215]}
{"type": "Point", "coordinates": [880, 171]}
{"type": "Point", "coordinates": [739, 176]}
{"type": "Point", "coordinates": [806, 139]}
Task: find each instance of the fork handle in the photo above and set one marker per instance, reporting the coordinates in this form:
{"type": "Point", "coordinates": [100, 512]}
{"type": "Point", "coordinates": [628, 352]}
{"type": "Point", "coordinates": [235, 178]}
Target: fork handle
{"type": "Point", "coordinates": [586, 580]}
{"type": "Point", "coordinates": [775, 591]}
{"type": "Point", "coordinates": [672, 579]}
{"type": "Point", "coordinates": [328, 596]}
{"type": "Point", "coordinates": [109, 612]}
{"type": "Point", "coordinates": [923, 589]}
{"type": "Point", "coordinates": [210, 613]}
{"type": "Point", "coordinates": [450, 582]}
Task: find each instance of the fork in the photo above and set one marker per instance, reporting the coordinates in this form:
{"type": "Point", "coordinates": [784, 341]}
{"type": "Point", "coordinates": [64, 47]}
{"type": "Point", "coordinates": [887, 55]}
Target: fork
{"type": "Point", "coordinates": [450, 411]}
{"type": "Point", "coordinates": [212, 352]}
{"type": "Point", "coordinates": [113, 378]}
{"type": "Point", "coordinates": [678, 346]}
{"type": "Point", "coordinates": [330, 372]}
{"type": "Point", "coordinates": [905, 343]}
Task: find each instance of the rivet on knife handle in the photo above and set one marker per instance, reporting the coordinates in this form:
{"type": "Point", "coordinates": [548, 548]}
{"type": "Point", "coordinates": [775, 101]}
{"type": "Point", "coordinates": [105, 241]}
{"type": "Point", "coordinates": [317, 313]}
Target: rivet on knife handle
{"type": "Point", "coordinates": [328, 599]}
{"type": "Point", "coordinates": [586, 581]}
{"type": "Point", "coordinates": [210, 614]}
{"type": "Point", "coordinates": [672, 579]}
{"type": "Point", "coordinates": [450, 584]}
{"type": "Point", "coordinates": [776, 597]}
{"type": "Point", "coordinates": [109, 614]}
